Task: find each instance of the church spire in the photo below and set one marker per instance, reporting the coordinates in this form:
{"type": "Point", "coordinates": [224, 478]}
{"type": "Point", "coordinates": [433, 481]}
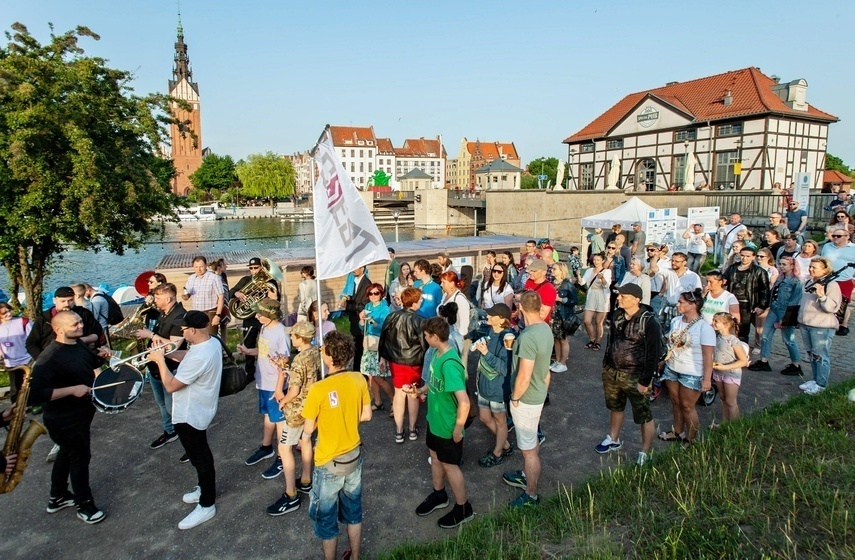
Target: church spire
{"type": "Point", "coordinates": [182, 68]}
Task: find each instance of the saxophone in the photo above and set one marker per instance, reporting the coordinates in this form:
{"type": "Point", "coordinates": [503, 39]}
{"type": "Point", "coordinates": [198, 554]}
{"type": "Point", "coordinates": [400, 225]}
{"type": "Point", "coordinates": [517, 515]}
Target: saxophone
{"type": "Point", "coordinates": [131, 324]}
{"type": "Point", "coordinates": [17, 443]}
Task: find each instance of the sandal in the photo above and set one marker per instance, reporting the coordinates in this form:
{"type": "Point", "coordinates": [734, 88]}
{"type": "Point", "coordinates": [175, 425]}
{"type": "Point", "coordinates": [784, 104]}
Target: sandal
{"type": "Point", "coordinates": [414, 434]}
{"type": "Point", "coordinates": [671, 436]}
{"type": "Point", "coordinates": [399, 437]}
{"type": "Point", "coordinates": [590, 345]}
{"type": "Point", "coordinates": [596, 346]}
{"type": "Point", "coordinates": [347, 554]}
{"type": "Point", "coordinates": [375, 407]}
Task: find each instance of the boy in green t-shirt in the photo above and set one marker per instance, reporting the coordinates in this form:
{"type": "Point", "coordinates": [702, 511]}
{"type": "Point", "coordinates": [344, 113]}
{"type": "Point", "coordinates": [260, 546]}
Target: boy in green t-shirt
{"type": "Point", "coordinates": [448, 408]}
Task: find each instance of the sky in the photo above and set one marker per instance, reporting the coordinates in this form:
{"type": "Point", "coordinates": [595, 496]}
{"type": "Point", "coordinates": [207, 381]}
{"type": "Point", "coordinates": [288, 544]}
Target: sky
{"type": "Point", "coordinates": [272, 74]}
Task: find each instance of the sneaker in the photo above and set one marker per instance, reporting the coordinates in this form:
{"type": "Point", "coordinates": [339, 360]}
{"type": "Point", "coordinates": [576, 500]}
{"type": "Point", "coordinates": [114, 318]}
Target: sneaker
{"type": "Point", "coordinates": [642, 458]}
{"type": "Point", "coordinates": [608, 444]}
{"type": "Point", "coordinates": [304, 487]}
{"type": "Point", "coordinates": [792, 369]}
{"type": "Point", "coordinates": [198, 516]}
{"type": "Point", "coordinates": [490, 460]}
{"type": "Point", "coordinates": [193, 496]}
{"type": "Point", "coordinates": [56, 504]}
{"type": "Point", "coordinates": [552, 365]}
{"type": "Point", "coordinates": [89, 513]}
{"type": "Point", "coordinates": [515, 479]}
{"type": "Point", "coordinates": [273, 470]}
{"type": "Point", "coordinates": [435, 500]}
{"type": "Point", "coordinates": [457, 516]}
{"type": "Point", "coordinates": [524, 500]}
{"type": "Point", "coordinates": [560, 368]}
{"type": "Point", "coordinates": [755, 352]}
{"type": "Point", "coordinates": [184, 458]}
{"type": "Point", "coordinates": [285, 504]}
{"type": "Point", "coordinates": [541, 437]}
{"type": "Point", "coordinates": [842, 331]}
{"type": "Point", "coordinates": [760, 365]}
{"type": "Point", "coordinates": [163, 440]}
{"type": "Point", "coordinates": [807, 385]}
{"type": "Point", "coordinates": [51, 456]}
{"type": "Point", "coordinates": [814, 390]}
{"type": "Point", "coordinates": [260, 454]}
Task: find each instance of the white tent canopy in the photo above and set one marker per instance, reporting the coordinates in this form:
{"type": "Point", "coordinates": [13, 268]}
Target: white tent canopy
{"type": "Point", "coordinates": [633, 210]}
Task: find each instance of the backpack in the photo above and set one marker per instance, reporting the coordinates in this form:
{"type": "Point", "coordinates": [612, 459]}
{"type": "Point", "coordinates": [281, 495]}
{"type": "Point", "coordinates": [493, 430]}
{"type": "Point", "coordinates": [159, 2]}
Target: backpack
{"type": "Point", "coordinates": [114, 312]}
{"type": "Point", "coordinates": [663, 342]}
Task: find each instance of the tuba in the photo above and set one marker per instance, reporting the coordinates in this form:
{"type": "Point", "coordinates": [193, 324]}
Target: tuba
{"type": "Point", "coordinates": [255, 290]}
{"type": "Point", "coordinates": [130, 325]}
{"type": "Point", "coordinates": [17, 443]}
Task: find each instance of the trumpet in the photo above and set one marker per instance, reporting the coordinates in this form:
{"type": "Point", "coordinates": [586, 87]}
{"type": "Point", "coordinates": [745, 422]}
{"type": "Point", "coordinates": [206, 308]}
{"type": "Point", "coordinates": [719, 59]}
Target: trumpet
{"type": "Point", "coordinates": [141, 359]}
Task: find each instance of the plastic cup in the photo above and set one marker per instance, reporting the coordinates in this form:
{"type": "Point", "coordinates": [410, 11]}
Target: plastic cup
{"type": "Point", "coordinates": [509, 340]}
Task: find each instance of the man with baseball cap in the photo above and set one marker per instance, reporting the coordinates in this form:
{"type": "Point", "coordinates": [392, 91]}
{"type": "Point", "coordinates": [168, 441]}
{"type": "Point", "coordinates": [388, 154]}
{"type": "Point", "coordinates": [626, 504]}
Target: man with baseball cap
{"type": "Point", "coordinates": [195, 389]}
{"type": "Point", "coordinates": [43, 333]}
{"type": "Point", "coordinates": [251, 326]}
{"type": "Point", "coordinates": [631, 359]}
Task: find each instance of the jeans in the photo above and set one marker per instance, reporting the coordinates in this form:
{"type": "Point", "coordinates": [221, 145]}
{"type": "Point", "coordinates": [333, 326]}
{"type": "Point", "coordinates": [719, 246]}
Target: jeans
{"type": "Point", "coordinates": [195, 443]}
{"type": "Point", "coordinates": [788, 335]}
{"type": "Point", "coordinates": [817, 344]}
{"type": "Point", "coordinates": [695, 261]}
{"type": "Point", "coordinates": [72, 436]}
{"type": "Point", "coordinates": [335, 499]}
{"type": "Point", "coordinates": [746, 319]}
{"type": "Point", "coordinates": [164, 402]}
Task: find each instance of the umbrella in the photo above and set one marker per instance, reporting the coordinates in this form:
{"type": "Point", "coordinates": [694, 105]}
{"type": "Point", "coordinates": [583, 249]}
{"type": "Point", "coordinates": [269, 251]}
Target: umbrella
{"type": "Point", "coordinates": [689, 173]}
{"type": "Point", "coordinates": [614, 174]}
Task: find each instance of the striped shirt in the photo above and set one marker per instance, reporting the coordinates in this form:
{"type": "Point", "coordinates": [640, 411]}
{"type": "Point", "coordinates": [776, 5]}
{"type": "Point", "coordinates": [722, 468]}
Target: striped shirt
{"type": "Point", "coordinates": [204, 290]}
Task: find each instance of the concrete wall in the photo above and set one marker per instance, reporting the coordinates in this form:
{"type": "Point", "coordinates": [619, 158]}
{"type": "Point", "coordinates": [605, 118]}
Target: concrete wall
{"type": "Point", "coordinates": [431, 210]}
{"type": "Point", "coordinates": [558, 214]}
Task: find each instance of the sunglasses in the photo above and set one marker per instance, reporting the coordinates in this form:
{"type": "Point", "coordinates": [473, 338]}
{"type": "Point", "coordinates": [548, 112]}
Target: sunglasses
{"type": "Point", "coordinates": [499, 271]}
{"type": "Point", "coordinates": [838, 236]}
{"type": "Point", "coordinates": [612, 248]}
{"type": "Point", "coordinates": [374, 293]}
{"type": "Point", "coordinates": [255, 268]}
{"type": "Point", "coordinates": [651, 250]}
{"type": "Point", "coordinates": [842, 216]}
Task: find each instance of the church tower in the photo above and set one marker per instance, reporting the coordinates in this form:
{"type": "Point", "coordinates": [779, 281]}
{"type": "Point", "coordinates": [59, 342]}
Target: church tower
{"type": "Point", "coordinates": [186, 150]}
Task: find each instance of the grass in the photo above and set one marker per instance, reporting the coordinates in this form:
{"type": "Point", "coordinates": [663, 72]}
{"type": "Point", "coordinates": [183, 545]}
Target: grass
{"type": "Point", "coordinates": [777, 484]}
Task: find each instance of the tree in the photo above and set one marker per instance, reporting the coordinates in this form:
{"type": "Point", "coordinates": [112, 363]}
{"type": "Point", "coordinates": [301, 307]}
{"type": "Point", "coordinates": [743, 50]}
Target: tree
{"type": "Point", "coordinates": [528, 182]}
{"type": "Point", "coordinates": [79, 157]}
{"type": "Point", "coordinates": [549, 167]}
{"type": "Point", "coordinates": [266, 175]}
{"type": "Point", "coordinates": [835, 163]}
{"type": "Point", "coordinates": [216, 172]}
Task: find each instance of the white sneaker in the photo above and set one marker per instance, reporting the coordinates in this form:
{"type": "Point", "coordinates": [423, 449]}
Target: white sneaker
{"type": "Point", "coordinates": [560, 368]}
{"type": "Point", "coordinates": [807, 385]}
{"type": "Point", "coordinates": [642, 458]}
{"type": "Point", "coordinates": [814, 390]}
{"type": "Point", "coordinates": [553, 365]}
{"type": "Point", "coordinates": [198, 516]}
{"type": "Point", "coordinates": [193, 496]}
{"type": "Point", "coordinates": [755, 352]}
{"type": "Point", "coordinates": [51, 456]}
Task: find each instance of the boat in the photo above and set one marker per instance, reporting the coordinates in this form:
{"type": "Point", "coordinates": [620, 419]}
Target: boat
{"type": "Point", "coordinates": [187, 214]}
{"type": "Point", "coordinates": [207, 213]}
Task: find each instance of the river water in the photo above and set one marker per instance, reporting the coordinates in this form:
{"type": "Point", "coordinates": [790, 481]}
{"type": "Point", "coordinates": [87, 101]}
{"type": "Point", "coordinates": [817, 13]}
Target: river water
{"type": "Point", "coordinates": [104, 267]}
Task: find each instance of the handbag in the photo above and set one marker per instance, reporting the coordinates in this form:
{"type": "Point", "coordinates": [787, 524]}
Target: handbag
{"type": "Point", "coordinates": [791, 316]}
{"type": "Point", "coordinates": [371, 343]}
{"type": "Point", "coordinates": [571, 324]}
{"type": "Point", "coordinates": [234, 378]}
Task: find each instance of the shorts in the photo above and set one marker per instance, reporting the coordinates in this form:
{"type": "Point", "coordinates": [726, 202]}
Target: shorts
{"type": "Point", "coordinates": [290, 436]}
{"type": "Point", "coordinates": [731, 379]}
{"type": "Point", "coordinates": [447, 451]}
{"type": "Point", "coordinates": [526, 419]}
{"type": "Point", "coordinates": [268, 405]}
{"type": "Point", "coordinates": [405, 375]}
{"type": "Point", "coordinates": [618, 387]}
{"type": "Point", "coordinates": [692, 382]}
{"type": "Point", "coordinates": [335, 499]}
{"type": "Point", "coordinates": [495, 407]}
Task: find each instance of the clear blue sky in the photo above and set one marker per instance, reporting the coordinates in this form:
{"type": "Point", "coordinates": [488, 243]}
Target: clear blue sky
{"type": "Point", "coordinates": [272, 74]}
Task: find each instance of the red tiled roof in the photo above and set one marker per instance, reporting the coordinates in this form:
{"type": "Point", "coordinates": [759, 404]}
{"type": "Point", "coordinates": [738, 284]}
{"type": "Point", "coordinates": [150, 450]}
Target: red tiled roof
{"type": "Point", "coordinates": [420, 147]}
{"type": "Point", "coordinates": [350, 135]}
{"type": "Point", "coordinates": [831, 176]}
{"type": "Point", "coordinates": [702, 98]}
{"type": "Point", "coordinates": [384, 146]}
{"type": "Point", "coordinates": [493, 150]}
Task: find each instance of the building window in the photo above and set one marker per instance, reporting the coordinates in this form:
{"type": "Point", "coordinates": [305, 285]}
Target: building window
{"type": "Point", "coordinates": [361, 167]}
{"type": "Point", "coordinates": [352, 167]}
{"type": "Point", "coordinates": [586, 179]}
{"type": "Point", "coordinates": [728, 129]}
{"type": "Point", "coordinates": [589, 147]}
{"type": "Point", "coordinates": [615, 144]}
{"type": "Point", "coordinates": [369, 167]}
{"type": "Point", "coordinates": [683, 135]}
{"type": "Point", "coordinates": [725, 178]}
{"type": "Point", "coordinates": [678, 170]}
{"type": "Point", "coordinates": [352, 153]}
{"type": "Point", "coordinates": [344, 153]}
{"type": "Point", "coordinates": [646, 175]}
{"type": "Point", "coordinates": [804, 156]}
{"type": "Point", "coordinates": [370, 152]}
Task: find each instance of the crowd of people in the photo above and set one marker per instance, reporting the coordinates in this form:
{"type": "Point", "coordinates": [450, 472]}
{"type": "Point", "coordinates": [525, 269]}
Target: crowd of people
{"type": "Point", "coordinates": [480, 348]}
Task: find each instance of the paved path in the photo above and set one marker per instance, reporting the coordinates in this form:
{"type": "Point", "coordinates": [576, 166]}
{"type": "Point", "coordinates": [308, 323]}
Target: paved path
{"type": "Point", "coordinates": [141, 489]}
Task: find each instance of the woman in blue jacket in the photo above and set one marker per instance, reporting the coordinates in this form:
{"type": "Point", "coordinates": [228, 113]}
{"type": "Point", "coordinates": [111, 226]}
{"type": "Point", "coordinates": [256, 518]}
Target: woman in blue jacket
{"type": "Point", "coordinates": [786, 293]}
{"type": "Point", "coordinates": [371, 320]}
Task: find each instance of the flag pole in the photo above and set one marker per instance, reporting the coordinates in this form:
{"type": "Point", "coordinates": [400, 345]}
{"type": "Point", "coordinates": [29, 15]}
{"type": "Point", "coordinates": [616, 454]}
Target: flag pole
{"type": "Point", "coordinates": [319, 337]}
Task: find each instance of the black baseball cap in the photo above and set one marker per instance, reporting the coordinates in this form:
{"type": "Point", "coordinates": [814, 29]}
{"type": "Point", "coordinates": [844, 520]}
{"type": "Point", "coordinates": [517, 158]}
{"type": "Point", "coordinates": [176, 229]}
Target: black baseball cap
{"type": "Point", "coordinates": [500, 310]}
{"type": "Point", "coordinates": [64, 291]}
{"type": "Point", "coordinates": [255, 261]}
{"type": "Point", "coordinates": [633, 290]}
{"type": "Point", "coordinates": [194, 320]}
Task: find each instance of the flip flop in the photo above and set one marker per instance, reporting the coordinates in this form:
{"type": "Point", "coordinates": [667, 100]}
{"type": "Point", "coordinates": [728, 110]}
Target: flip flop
{"type": "Point", "coordinates": [375, 407]}
{"type": "Point", "coordinates": [670, 435]}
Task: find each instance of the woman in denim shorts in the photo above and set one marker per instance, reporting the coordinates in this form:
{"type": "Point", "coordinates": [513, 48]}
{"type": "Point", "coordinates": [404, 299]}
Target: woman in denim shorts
{"type": "Point", "coordinates": [688, 366]}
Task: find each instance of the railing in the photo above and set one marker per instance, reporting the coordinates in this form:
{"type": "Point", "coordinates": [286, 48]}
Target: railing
{"type": "Point", "coordinates": [760, 205]}
{"type": "Point", "coordinates": [394, 195]}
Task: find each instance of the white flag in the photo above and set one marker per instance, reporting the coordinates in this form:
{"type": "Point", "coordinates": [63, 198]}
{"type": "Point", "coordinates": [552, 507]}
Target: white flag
{"type": "Point", "coordinates": [346, 236]}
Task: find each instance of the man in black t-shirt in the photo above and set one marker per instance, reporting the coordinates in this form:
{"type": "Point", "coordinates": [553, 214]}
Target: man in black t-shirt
{"type": "Point", "coordinates": [251, 326]}
{"type": "Point", "coordinates": [167, 328]}
{"type": "Point", "coordinates": [62, 379]}
{"type": "Point", "coordinates": [43, 334]}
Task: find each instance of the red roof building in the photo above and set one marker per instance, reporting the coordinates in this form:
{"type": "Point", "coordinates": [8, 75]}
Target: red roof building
{"type": "Point", "coordinates": [740, 130]}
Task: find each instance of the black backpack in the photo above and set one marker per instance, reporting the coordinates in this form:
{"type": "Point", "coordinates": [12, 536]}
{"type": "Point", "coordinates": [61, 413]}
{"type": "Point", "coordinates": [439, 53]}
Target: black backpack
{"type": "Point", "coordinates": [114, 312]}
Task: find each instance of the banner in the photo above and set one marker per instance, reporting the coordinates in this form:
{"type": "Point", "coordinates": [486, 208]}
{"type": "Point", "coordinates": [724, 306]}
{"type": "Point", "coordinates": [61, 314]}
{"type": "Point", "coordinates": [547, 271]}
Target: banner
{"type": "Point", "coordinates": [707, 216]}
{"type": "Point", "coordinates": [346, 236]}
{"type": "Point", "coordinates": [661, 227]}
{"type": "Point", "coordinates": [801, 190]}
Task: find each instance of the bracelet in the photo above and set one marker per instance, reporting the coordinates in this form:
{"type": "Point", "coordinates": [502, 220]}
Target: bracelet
{"type": "Point", "coordinates": [515, 400]}
{"type": "Point", "coordinates": [304, 435]}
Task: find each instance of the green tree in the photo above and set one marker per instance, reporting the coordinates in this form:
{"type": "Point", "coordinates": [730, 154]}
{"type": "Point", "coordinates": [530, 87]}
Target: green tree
{"type": "Point", "coordinates": [216, 172]}
{"type": "Point", "coordinates": [528, 182]}
{"type": "Point", "coordinates": [79, 156]}
{"type": "Point", "coordinates": [835, 163]}
{"type": "Point", "coordinates": [266, 175]}
{"type": "Point", "coordinates": [549, 167]}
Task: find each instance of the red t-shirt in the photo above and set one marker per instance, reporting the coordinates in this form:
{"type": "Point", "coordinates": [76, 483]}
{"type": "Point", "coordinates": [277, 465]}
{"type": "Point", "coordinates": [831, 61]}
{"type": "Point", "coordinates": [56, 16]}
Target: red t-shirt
{"type": "Point", "coordinates": [548, 294]}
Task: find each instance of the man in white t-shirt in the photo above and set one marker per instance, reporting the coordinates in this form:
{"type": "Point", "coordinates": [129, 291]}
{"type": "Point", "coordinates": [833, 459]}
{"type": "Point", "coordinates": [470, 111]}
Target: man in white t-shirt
{"type": "Point", "coordinates": [272, 354]}
{"type": "Point", "coordinates": [696, 246]}
{"type": "Point", "coordinates": [195, 389]}
{"type": "Point", "coordinates": [717, 299]}
{"type": "Point", "coordinates": [683, 280]}
{"type": "Point", "coordinates": [732, 230]}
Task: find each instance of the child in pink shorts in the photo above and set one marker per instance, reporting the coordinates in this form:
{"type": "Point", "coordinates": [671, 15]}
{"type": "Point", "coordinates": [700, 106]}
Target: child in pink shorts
{"type": "Point", "coordinates": [731, 355]}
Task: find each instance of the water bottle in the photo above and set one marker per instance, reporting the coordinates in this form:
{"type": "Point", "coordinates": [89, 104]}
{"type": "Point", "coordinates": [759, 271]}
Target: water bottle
{"type": "Point", "coordinates": [474, 344]}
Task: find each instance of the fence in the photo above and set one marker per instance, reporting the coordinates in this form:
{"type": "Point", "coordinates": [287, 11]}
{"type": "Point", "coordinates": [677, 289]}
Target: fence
{"type": "Point", "coordinates": [757, 206]}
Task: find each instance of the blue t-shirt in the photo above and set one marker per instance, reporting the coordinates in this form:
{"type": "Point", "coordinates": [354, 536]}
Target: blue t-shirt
{"type": "Point", "coordinates": [794, 219]}
{"type": "Point", "coordinates": [431, 296]}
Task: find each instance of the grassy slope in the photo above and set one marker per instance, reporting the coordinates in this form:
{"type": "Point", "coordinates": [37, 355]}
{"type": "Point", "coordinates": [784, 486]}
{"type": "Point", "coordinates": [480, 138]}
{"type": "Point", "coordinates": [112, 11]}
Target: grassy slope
{"type": "Point", "coordinates": [778, 484]}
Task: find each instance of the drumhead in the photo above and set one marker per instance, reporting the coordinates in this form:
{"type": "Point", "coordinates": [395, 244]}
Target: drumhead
{"type": "Point", "coordinates": [117, 397]}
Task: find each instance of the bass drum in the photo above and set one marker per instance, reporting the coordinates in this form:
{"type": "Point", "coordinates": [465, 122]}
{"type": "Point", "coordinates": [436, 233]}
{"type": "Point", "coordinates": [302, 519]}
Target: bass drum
{"type": "Point", "coordinates": [117, 388]}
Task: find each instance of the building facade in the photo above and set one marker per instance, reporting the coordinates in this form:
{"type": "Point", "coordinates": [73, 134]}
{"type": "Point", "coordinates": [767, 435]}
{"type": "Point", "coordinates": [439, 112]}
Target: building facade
{"type": "Point", "coordinates": [186, 147]}
{"type": "Point", "coordinates": [498, 175]}
{"type": "Point", "coordinates": [427, 155]}
{"type": "Point", "coordinates": [460, 171]}
{"type": "Point", "coordinates": [304, 174]}
{"type": "Point", "coordinates": [737, 130]}
{"type": "Point", "coordinates": [357, 148]}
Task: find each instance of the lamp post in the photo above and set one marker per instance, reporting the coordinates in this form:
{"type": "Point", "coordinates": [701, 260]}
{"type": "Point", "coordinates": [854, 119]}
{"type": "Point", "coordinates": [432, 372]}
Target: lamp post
{"type": "Point", "coordinates": [570, 178]}
{"type": "Point", "coordinates": [540, 177]}
{"type": "Point", "coordinates": [396, 214]}
{"type": "Point", "coordinates": [739, 161]}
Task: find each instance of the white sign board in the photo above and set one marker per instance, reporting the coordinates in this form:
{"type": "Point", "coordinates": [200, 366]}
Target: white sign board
{"type": "Point", "coordinates": [707, 216]}
{"type": "Point", "coordinates": [801, 191]}
{"type": "Point", "coordinates": [661, 227]}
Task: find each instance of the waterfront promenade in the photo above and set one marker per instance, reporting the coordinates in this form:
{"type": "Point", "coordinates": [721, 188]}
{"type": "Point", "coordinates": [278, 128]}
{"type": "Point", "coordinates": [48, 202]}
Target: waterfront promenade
{"type": "Point", "coordinates": [140, 489]}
